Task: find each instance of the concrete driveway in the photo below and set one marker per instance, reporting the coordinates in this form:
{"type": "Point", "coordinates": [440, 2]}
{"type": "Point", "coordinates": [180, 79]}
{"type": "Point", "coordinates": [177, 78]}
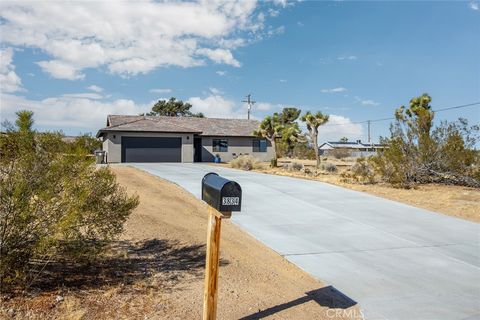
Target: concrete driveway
{"type": "Point", "coordinates": [396, 261]}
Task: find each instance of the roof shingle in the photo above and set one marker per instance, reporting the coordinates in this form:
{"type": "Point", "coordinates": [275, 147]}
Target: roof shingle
{"type": "Point", "coordinates": [203, 126]}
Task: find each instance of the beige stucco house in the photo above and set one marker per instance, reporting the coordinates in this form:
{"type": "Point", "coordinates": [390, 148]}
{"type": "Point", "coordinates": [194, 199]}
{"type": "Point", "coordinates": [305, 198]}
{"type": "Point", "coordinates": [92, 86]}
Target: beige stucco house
{"type": "Point", "coordinates": [180, 139]}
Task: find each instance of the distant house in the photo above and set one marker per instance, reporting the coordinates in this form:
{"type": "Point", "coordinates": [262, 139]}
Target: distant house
{"type": "Point", "coordinates": [356, 149]}
{"type": "Point", "coordinates": [180, 139]}
{"type": "Point", "coordinates": [69, 139]}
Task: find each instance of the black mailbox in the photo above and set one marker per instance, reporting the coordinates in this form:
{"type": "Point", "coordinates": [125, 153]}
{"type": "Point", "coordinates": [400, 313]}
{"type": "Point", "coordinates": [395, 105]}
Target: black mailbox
{"type": "Point", "coordinates": [222, 194]}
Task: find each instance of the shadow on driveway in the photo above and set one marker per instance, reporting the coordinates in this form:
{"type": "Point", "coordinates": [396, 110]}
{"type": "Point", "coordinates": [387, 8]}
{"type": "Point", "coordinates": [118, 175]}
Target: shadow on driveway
{"type": "Point", "coordinates": [328, 297]}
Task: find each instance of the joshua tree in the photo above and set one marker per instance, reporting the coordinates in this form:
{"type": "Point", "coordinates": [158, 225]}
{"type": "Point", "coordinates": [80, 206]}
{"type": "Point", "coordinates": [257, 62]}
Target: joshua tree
{"type": "Point", "coordinates": [270, 128]}
{"type": "Point", "coordinates": [313, 121]}
{"type": "Point", "coordinates": [291, 133]}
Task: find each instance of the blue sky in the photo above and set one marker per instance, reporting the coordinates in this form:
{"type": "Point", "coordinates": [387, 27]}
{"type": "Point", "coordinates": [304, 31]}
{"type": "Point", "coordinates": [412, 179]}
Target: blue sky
{"type": "Point", "coordinates": [75, 63]}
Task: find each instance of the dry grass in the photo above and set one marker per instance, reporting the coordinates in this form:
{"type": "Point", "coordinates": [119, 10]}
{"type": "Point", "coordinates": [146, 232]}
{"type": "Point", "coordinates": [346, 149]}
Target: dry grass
{"type": "Point", "coordinates": [155, 271]}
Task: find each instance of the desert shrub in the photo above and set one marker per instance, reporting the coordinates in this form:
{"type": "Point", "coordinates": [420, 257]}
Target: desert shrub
{"type": "Point", "coordinates": [274, 163]}
{"type": "Point", "coordinates": [340, 153]}
{"type": "Point", "coordinates": [293, 166]}
{"type": "Point", "coordinates": [416, 152]}
{"type": "Point", "coordinates": [244, 163]}
{"type": "Point", "coordinates": [306, 170]}
{"type": "Point", "coordinates": [329, 167]}
{"type": "Point", "coordinates": [85, 143]}
{"type": "Point", "coordinates": [54, 203]}
{"type": "Point", "coordinates": [362, 171]}
{"type": "Point", "coordinates": [303, 151]}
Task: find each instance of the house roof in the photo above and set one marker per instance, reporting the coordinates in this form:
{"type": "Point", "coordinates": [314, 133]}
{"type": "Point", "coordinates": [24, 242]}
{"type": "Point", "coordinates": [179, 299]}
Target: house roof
{"type": "Point", "coordinates": [203, 126]}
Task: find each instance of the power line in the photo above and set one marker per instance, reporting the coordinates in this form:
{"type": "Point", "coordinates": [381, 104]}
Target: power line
{"type": "Point", "coordinates": [393, 118]}
{"type": "Point", "coordinates": [458, 107]}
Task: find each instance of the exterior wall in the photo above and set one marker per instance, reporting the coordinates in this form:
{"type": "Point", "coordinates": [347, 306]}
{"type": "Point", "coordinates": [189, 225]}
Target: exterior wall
{"type": "Point", "coordinates": [112, 143]}
{"type": "Point", "coordinates": [236, 146]}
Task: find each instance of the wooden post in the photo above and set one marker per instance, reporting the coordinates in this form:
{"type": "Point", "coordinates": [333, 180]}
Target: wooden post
{"type": "Point", "coordinates": [212, 262]}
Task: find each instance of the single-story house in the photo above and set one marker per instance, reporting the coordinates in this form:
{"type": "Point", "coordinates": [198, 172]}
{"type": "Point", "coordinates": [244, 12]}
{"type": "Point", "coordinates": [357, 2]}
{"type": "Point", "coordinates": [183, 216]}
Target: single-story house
{"type": "Point", "coordinates": [356, 149]}
{"type": "Point", "coordinates": [180, 139]}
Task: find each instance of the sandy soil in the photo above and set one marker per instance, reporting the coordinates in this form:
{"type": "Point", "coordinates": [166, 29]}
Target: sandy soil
{"type": "Point", "coordinates": [457, 201]}
{"type": "Point", "coordinates": [155, 271]}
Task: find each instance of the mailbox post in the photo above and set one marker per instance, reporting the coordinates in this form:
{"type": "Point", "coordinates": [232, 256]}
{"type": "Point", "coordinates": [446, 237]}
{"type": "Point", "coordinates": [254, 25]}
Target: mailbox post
{"type": "Point", "coordinates": [223, 196]}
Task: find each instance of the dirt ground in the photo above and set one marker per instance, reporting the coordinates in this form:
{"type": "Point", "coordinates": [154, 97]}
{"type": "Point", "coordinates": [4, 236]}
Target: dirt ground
{"type": "Point", "coordinates": [155, 271]}
{"type": "Point", "coordinates": [457, 201]}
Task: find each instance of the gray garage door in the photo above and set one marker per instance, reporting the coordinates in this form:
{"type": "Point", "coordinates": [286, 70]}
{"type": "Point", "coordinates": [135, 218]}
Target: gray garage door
{"type": "Point", "coordinates": [151, 149]}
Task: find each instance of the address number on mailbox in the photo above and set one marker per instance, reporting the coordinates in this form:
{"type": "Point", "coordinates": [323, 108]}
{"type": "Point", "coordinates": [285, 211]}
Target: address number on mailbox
{"type": "Point", "coordinates": [230, 201]}
{"type": "Point", "coordinates": [222, 194]}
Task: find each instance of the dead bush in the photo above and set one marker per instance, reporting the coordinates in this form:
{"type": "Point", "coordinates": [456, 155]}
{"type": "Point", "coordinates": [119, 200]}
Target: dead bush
{"type": "Point", "coordinates": [294, 166]}
{"type": "Point", "coordinates": [329, 167]}
{"type": "Point", "coordinates": [244, 162]}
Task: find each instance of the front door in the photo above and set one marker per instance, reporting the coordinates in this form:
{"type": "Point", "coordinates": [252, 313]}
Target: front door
{"type": "Point", "coordinates": [197, 145]}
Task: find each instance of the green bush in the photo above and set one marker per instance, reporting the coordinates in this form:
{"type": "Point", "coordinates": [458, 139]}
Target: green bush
{"type": "Point", "coordinates": [85, 143]}
{"type": "Point", "coordinates": [274, 163]}
{"type": "Point", "coordinates": [362, 171]}
{"type": "Point", "coordinates": [54, 203]}
{"type": "Point", "coordinates": [418, 152]}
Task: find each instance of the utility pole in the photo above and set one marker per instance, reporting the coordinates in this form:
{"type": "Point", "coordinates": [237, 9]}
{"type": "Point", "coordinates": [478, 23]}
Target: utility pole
{"type": "Point", "coordinates": [250, 103]}
{"type": "Point", "coordinates": [369, 140]}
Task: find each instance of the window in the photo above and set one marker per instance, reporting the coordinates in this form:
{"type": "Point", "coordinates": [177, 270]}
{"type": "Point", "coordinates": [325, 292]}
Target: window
{"type": "Point", "coordinates": [259, 145]}
{"type": "Point", "coordinates": [220, 145]}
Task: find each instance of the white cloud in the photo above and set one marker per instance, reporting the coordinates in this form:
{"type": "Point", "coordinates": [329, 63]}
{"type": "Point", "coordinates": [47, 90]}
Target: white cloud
{"type": "Point", "coordinates": [215, 106]}
{"type": "Point", "coordinates": [130, 38]}
{"type": "Point", "coordinates": [87, 112]}
{"type": "Point", "coordinates": [347, 58]}
{"type": "Point", "coordinates": [274, 31]}
{"type": "Point", "coordinates": [265, 106]}
{"type": "Point", "coordinates": [366, 102]}
{"type": "Point", "coordinates": [282, 3]}
{"type": "Point", "coordinates": [95, 88]}
{"type": "Point", "coordinates": [9, 80]}
{"type": "Point", "coordinates": [474, 5]}
{"type": "Point", "coordinates": [221, 73]}
{"type": "Point", "coordinates": [215, 91]}
{"type": "Point", "coordinates": [338, 127]}
{"type": "Point", "coordinates": [273, 12]}
{"type": "Point", "coordinates": [70, 112]}
{"type": "Point", "coordinates": [283, 80]}
{"type": "Point", "coordinates": [334, 90]}
{"type": "Point", "coordinates": [61, 70]}
{"type": "Point", "coordinates": [370, 103]}
{"type": "Point", "coordinates": [93, 96]}
{"type": "Point", "coordinates": [160, 90]}
{"type": "Point", "coordinates": [219, 56]}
